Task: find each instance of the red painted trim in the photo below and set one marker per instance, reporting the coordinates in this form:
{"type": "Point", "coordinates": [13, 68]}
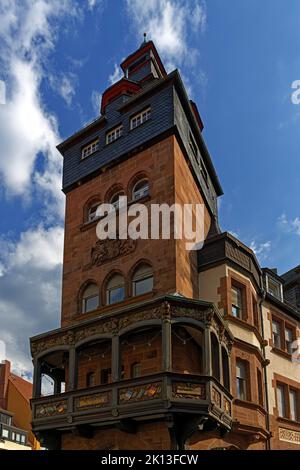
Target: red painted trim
{"type": "Point", "coordinates": [133, 57]}
{"type": "Point", "coordinates": [117, 89]}
{"type": "Point", "coordinates": [197, 115]}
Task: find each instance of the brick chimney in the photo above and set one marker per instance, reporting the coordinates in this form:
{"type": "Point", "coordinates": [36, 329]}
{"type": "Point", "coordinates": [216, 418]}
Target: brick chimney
{"type": "Point", "coordinates": [4, 375]}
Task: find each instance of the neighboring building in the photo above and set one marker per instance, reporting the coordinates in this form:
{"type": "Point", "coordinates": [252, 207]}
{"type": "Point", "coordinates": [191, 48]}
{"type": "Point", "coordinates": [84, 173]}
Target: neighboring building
{"type": "Point", "coordinates": [160, 347]}
{"type": "Point", "coordinates": [15, 411]}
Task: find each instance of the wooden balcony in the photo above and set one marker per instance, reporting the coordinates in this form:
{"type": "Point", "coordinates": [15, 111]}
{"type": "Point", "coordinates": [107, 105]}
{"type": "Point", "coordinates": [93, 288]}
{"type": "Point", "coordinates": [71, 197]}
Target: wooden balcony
{"type": "Point", "coordinates": [134, 400]}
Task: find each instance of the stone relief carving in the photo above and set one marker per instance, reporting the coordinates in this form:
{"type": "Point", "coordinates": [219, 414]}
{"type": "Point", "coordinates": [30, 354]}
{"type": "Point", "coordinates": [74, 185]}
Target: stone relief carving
{"type": "Point", "coordinates": [109, 249]}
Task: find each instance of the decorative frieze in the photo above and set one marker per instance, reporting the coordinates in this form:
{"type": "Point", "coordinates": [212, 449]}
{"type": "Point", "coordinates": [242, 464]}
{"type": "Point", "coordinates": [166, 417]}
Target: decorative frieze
{"type": "Point", "coordinates": [140, 393]}
{"type": "Point", "coordinates": [51, 409]}
{"type": "Point", "coordinates": [188, 390]}
{"type": "Point", "coordinates": [97, 400]}
{"type": "Point", "coordinates": [287, 435]}
{"type": "Point", "coordinates": [216, 397]}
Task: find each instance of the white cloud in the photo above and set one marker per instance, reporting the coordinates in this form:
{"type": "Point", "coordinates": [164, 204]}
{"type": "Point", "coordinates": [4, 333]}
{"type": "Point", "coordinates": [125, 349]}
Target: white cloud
{"type": "Point", "coordinates": [116, 75]}
{"type": "Point", "coordinates": [28, 130]}
{"type": "Point", "coordinates": [30, 290]}
{"type": "Point", "coordinates": [65, 85]}
{"type": "Point", "coordinates": [261, 249]}
{"type": "Point", "coordinates": [289, 226]}
{"type": "Point", "coordinates": [96, 101]}
{"type": "Point", "coordinates": [93, 3]}
{"type": "Point", "coordinates": [167, 23]}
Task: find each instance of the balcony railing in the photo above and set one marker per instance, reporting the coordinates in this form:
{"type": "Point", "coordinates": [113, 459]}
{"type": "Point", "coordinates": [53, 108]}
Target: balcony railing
{"type": "Point", "coordinates": [151, 395]}
{"type": "Point", "coordinates": [13, 434]}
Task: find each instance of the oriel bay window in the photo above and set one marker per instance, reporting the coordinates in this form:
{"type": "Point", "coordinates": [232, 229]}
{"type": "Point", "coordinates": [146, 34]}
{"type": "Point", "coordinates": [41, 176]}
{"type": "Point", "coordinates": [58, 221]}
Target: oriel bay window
{"type": "Point", "coordinates": [242, 380]}
{"type": "Point", "coordinates": [237, 302]}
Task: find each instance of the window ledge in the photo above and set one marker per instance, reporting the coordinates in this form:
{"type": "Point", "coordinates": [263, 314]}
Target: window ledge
{"type": "Point", "coordinates": [246, 325]}
{"type": "Point", "coordinates": [106, 308]}
{"type": "Point", "coordinates": [249, 404]}
{"type": "Point", "coordinates": [282, 353]}
{"type": "Point", "coordinates": [288, 421]}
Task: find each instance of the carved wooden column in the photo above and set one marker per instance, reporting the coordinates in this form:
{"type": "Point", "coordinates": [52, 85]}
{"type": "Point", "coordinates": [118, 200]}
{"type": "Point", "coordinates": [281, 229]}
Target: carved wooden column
{"type": "Point", "coordinates": [115, 358]}
{"type": "Point", "coordinates": [37, 379]}
{"type": "Point", "coordinates": [167, 344]}
{"type": "Point", "coordinates": [207, 352]}
{"type": "Point", "coordinates": [72, 369]}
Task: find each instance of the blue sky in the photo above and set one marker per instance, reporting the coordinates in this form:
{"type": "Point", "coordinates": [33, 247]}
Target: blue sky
{"type": "Point", "coordinates": [238, 60]}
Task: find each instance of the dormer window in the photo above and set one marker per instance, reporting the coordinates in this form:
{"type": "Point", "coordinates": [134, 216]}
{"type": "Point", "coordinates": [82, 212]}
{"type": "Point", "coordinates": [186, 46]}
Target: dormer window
{"type": "Point", "coordinates": [90, 148]}
{"type": "Point", "coordinates": [114, 134]}
{"type": "Point", "coordinates": [274, 287]}
{"type": "Point", "coordinates": [140, 118]}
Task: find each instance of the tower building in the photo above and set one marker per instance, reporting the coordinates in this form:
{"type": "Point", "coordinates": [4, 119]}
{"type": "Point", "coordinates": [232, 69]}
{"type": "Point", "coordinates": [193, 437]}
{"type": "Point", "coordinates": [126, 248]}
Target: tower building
{"type": "Point", "coordinates": [159, 347]}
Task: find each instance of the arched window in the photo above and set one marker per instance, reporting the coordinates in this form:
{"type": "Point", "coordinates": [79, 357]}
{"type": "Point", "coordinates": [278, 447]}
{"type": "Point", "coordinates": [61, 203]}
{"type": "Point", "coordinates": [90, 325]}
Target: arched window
{"type": "Point", "coordinates": [136, 370]}
{"type": "Point", "coordinates": [90, 298]}
{"type": "Point", "coordinates": [90, 379]}
{"type": "Point", "coordinates": [114, 200]}
{"type": "Point", "coordinates": [225, 368]}
{"type": "Point", "coordinates": [91, 213]}
{"type": "Point", "coordinates": [142, 280]}
{"type": "Point", "coordinates": [215, 357]}
{"type": "Point", "coordinates": [115, 289]}
{"type": "Point", "coordinates": [140, 189]}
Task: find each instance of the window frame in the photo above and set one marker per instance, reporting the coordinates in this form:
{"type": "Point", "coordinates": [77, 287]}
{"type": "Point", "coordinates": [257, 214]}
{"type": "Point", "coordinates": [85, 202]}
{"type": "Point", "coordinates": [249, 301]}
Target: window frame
{"type": "Point", "coordinates": [142, 194]}
{"type": "Point", "coordinates": [90, 145]}
{"type": "Point", "coordinates": [85, 299]}
{"type": "Point", "coordinates": [284, 325]}
{"type": "Point", "coordinates": [245, 396]}
{"type": "Point", "coordinates": [146, 111]}
{"type": "Point", "coordinates": [114, 132]}
{"type": "Point", "coordinates": [241, 308]}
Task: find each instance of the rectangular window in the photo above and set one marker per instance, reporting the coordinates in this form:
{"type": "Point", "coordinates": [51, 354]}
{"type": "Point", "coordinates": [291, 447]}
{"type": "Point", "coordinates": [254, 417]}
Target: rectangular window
{"type": "Point", "coordinates": [136, 370]}
{"type": "Point", "coordinates": [274, 288]}
{"type": "Point", "coordinates": [276, 328]}
{"type": "Point", "coordinates": [5, 433]}
{"type": "Point", "coordinates": [18, 437]}
{"type": "Point", "coordinates": [289, 340]}
{"type": "Point", "coordinates": [281, 402]}
{"type": "Point", "coordinates": [115, 295]}
{"type": "Point", "coordinates": [23, 439]}
{"type": "Point", "coordinates": [139, 118]}
{"type": "Point", "coordinates": [90, 148]}
{"type": "Point", "coordinates": [142, 286]}
{"type": "Point", "coordinates": [237, 302]}
{"type": "Point", "coordinates": [294, 405]}
{"type": "Point", "coordinates": [260, 388]}
{"type": "Point", "coordinates": [114, 134]}
{"type": "Point", "coordinates": [241, 380]}
{"type": "Point", "coordinates": [255, 313]}
{"type": "Point", "coordinates": [90, 303]}
{"type": "Point", "coordinates": [105, 376]}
